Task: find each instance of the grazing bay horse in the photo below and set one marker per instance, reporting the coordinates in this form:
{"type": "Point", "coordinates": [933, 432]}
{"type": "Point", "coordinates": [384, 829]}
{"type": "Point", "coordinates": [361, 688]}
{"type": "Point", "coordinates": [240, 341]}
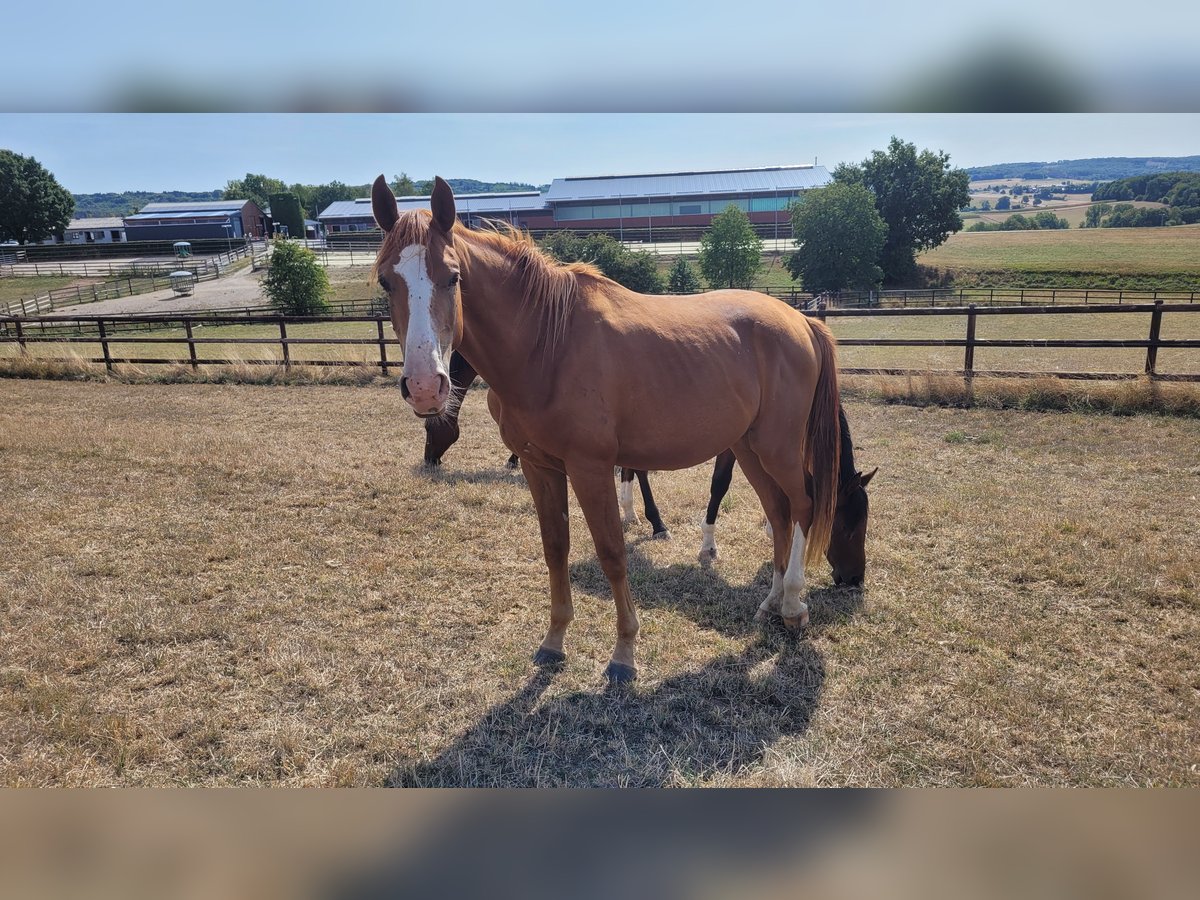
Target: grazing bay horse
{"type": "Point", "coordinates": [649, 382]}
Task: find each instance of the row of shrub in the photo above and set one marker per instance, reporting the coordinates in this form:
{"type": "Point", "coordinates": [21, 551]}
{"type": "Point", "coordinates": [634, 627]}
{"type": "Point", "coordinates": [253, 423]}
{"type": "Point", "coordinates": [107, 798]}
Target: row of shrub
{"type": "Point", "coordinates": [1021, 222]}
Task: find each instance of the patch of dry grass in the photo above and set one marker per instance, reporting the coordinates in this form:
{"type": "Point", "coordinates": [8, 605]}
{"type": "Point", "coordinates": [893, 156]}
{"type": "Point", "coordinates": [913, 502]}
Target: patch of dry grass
{"type": "Point", "coordinates": [220, 584]}
{"type": "Point", "coordinates": [1117, 397]}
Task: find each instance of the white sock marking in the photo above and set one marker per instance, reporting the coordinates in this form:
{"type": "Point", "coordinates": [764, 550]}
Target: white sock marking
{"type": "Point", "coordinates": [628, 513]}
{"type": "Point", "coordinates": [793, 579]}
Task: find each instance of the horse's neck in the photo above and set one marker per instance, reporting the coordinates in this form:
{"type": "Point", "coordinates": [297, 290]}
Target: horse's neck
{"type": "Point", "coordinates": [500, 336]}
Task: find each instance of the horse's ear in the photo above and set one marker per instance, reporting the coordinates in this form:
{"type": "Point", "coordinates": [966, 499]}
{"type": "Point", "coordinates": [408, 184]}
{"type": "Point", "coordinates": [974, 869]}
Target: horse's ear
{"type": "Point", "coordinates": [442, 204]}
{"type": "Point", "coordinates": [383, 204]}
{"type": "Point", "coordinates": [866, 479]}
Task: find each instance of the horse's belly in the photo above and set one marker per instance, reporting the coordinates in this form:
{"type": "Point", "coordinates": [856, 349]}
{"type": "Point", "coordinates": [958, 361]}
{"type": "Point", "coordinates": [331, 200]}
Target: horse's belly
{"type": "Point", "coordinates": [678, 447]}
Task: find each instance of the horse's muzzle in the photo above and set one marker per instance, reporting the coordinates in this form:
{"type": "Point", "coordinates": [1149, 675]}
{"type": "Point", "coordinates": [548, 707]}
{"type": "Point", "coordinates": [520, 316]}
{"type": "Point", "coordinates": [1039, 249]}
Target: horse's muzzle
{"type": "Point", "coordinates": [426, 394]}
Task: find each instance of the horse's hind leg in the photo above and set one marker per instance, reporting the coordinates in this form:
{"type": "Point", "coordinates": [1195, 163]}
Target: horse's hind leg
{"type": "Point", "coordinates": [721, 477]}
{"type": "Point", "coordinates": [549, 490]}
{"type": "Point", "coordinates": [660, 530]}
{"type": "Point", "coordinates": [629, 514]}
{"type": "Point", "coordinates": [778, 511]}
{"type": "Point", "coordinates": [786, 469]}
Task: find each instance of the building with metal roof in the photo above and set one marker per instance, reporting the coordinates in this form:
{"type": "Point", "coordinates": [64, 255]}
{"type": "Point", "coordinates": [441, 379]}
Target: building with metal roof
{"type": "Point", "coordinates": [525, 209]}
{"type": "Point", "coordinates": [634, 205]}
{"type": "Point", "coordinates": [196, 219]}
{"type": "Point", "coordinates": [101, 230]}
{"type": "Point", "coordinates": [629, 206]}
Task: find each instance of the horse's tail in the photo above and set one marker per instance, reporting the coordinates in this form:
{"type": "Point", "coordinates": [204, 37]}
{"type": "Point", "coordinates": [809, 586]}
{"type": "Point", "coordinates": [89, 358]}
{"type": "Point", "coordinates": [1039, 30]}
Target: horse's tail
{"type": "Point", "coordinates": [823, 443]}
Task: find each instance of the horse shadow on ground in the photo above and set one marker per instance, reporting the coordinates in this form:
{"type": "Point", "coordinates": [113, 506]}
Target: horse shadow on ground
{"type": "Point", "coordinates": [714, 724]}
{"type": "Point", "coordinates": [706, 597]}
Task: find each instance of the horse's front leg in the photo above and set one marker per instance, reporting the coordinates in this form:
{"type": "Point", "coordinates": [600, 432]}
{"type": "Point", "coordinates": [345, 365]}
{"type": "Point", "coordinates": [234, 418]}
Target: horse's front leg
{"type": "Point", "coordinates": [549, 489]}
{"type": "Point", "coordinates": [594, 488]}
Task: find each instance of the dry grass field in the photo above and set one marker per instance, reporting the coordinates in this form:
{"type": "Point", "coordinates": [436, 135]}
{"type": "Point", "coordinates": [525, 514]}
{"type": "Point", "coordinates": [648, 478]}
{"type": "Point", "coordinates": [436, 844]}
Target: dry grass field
{"type": "Point", "coordinates": [1148, 251]}
{"type": "Point", "coordinates": [237, 585]}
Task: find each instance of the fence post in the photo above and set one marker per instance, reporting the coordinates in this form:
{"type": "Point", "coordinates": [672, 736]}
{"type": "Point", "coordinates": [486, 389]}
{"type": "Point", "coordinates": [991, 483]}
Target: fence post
{"type": "Point", "coordinates": [104, 345]}
{"type": "Point", "coordinates": [969, 356]}
{"type": "Point", "coordinates": [383, 360]}
{"type": "Point", "coordinates": [287, 353]}
{"type": "Point", "coordinates": [187, 326]}
{"type": "Point", "coordinates": [21, 338]}
{"type": "Point", "coordinates": [1155, 329]}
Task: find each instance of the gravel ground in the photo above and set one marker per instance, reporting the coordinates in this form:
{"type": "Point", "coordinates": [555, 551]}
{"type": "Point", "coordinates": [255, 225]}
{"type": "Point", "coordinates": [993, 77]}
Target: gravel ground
{"type": "Point", "coordinates": [234, 291]}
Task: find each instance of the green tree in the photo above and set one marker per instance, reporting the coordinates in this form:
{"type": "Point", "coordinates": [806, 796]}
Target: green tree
{"type": "Point", "coordinates": [636, 271]}
{"type": "Point", "coordinates": [840, 236]}
{"type": "Point", "coordinates": [286, 210]}
{"type": "Point", "coordinates": [985, 205]}
{"type": "Point", "coordinates": [682, 278]}
{"type": "Point", "coordinates": [33, 205]}
{"type": "Point", "coordinates": [1095, 214]}
{"type": "Point", "coordinates": [730, 251]}
{"type": "Point", "coordinates": [258, 188]}
{"type": "Point", "coordinates": [324, 194]}
{"type": "Point", "coordinates": [917, 194]}
{"type": "Point", "coordinates": [1004, 203]}
{"type": "Point", "coordinates": [296, 283]}
{"type": "Point", "coordinates": [403, 186]}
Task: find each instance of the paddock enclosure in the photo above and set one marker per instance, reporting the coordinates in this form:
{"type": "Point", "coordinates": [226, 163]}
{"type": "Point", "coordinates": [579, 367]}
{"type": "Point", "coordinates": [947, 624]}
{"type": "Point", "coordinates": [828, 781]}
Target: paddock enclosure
{"type": "Point", "coordinates": [227, 584]}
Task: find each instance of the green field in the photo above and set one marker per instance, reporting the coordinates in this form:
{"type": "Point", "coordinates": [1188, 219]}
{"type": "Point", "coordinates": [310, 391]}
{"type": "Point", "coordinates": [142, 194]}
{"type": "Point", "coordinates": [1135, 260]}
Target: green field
{"type": "Point", "coordinates": [14, 288]}
{"type": "Point", "coordinates": [1117, 251]}
{"type": "Point", "coordinates": [230, 351]}
{"type": "Point", "coordinates": [1115, 326]}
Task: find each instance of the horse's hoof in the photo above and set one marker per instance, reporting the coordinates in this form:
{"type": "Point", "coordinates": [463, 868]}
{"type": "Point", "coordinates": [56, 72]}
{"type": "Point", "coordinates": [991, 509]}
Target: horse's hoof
{"type": "Point", "coordinates": [796, 623]}
{"type": "Point", "coordinates": [663, 535]}
{"type": "Point", "coordinates": [546, 658]}
{"type": "Point", "coordinates": [619, 673]}
{"type": "Point", "coordinates": [707, 557]}
{"type": "Point", "coordinates": [762, 616]}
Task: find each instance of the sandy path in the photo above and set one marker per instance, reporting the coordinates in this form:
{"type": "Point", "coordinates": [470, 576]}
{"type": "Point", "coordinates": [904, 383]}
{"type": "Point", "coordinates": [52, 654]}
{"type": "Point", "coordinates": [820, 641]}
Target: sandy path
{"type": "Point", "coordinates": [234, 291]}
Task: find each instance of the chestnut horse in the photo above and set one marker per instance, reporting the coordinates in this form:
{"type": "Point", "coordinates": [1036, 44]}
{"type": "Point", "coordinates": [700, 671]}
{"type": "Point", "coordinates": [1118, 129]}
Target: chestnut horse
{"type": "Point", "coordinates": [649, 382]}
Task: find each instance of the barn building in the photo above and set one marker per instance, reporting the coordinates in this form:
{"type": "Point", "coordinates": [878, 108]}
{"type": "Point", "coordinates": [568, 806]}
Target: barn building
{"type": "Point", "coordinates": [635, 205]}
{"type": "Point", "coordinates": [631, 207]}
{"type": "Point", "coordinates": [105, 230]}
{"type": "Point", "coordinates": [194, 220]}
{"type": "Point", "coordinates": [525, 209]}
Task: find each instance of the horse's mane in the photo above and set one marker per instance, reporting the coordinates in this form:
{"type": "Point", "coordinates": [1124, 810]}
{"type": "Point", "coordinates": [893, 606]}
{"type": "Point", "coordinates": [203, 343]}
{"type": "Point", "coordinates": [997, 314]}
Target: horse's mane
{"type": "Point", "coordinates": [544, 283]}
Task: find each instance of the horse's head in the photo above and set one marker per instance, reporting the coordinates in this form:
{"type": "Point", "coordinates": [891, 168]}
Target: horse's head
{"type": "Point", "coordinates": [847, 552]}
{"type": "Point", "coordinates": [419, 271]}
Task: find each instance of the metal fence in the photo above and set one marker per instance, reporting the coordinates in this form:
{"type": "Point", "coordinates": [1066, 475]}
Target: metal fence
{"type": "Point", "coordinates": [68, 330]}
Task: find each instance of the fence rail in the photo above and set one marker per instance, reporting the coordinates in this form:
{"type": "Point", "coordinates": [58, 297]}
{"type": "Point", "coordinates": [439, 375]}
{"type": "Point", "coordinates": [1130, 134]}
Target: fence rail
{"type": "Point", "coordinates": [135, 278]}
{"type": "Point", "coordinates": [107, 330]}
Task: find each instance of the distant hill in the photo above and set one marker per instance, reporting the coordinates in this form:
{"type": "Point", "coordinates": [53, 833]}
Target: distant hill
{"type": "Point", "coordinates": [471, 186]}
{"type": "Point", "coordinates": [95, 206]}
{"type": "Point", "coordinates": [1100, 168]}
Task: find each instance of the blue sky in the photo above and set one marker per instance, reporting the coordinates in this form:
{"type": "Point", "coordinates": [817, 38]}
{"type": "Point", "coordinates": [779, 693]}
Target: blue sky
{"type": "Point", "coordinates": [92, 152]}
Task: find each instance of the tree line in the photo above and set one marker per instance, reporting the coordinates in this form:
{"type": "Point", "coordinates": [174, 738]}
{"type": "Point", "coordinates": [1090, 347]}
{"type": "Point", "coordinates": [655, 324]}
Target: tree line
{"type": "Point", "coordinates": [1180, 191]}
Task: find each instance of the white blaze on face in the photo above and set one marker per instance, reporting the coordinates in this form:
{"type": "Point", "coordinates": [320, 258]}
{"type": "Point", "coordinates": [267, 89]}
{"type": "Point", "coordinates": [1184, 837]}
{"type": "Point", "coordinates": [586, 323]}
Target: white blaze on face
{"type": "Point", "coordinates": [422, 350]}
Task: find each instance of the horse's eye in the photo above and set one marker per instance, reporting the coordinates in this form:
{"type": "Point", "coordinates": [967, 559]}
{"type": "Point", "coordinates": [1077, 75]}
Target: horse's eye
{"type": "Point", "coordinates": [453, 279]}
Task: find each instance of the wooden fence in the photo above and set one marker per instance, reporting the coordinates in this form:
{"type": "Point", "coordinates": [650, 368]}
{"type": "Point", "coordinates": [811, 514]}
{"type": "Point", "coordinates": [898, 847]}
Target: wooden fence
{"type": "Point", "coordinates": [109, 330]}
{"type": "Point", "coordinates": [135, 278]}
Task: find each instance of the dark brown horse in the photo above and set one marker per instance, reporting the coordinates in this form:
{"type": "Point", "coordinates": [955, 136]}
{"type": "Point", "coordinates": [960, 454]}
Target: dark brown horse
{"type": "Point", "coordinates": [649, 383]}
